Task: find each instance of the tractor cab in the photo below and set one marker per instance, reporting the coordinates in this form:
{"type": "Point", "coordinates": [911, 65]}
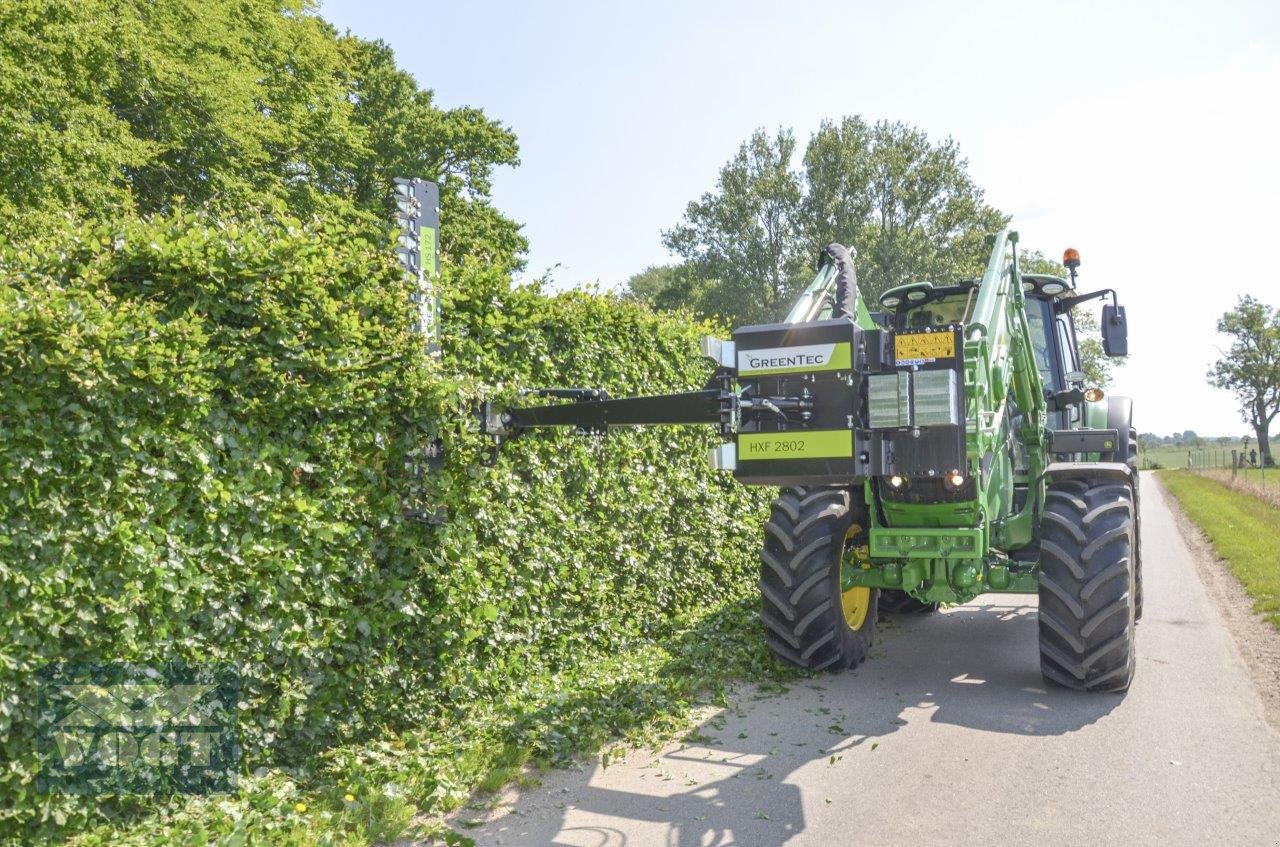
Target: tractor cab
{"type": "Point", "coordinates": [922, 305]}
{"type": "Point", "coordinates": [1053, 331]}
{"type": "Point", "coordinates": [1048, 303]}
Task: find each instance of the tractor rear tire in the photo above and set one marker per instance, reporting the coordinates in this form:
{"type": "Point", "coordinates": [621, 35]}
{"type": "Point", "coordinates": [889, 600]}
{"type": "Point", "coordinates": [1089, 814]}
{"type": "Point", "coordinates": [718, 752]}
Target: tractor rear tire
{"type": "Point", "coordinates": [1087, 584]}
{"type": "Point", "coordinates": [896, 602]}
{"type": "Point", "coordinates": [808, 621]}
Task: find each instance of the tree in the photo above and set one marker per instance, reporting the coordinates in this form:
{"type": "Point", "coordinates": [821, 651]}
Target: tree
{"type": "Point", "coordinates": [1251, 367]}
{"type": "Point", "coordinates": [669, 287]}
{"type": "Point", "coordinates": [745, 235]}
{"type": "Point", "coordinates": [403, 132]}
{"type": "Point", "coordinates": [905, 203]}
{"type": "Point", "coordinates": [115, 107]}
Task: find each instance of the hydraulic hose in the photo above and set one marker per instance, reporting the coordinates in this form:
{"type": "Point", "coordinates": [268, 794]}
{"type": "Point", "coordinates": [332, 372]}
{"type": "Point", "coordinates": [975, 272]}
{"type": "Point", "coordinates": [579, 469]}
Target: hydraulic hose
{"type": "Point", "coordinates": [846, 281]}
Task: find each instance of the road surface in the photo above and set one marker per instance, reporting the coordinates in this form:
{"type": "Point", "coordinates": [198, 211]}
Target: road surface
{"type": "Point", "coordinates": [948, 736]}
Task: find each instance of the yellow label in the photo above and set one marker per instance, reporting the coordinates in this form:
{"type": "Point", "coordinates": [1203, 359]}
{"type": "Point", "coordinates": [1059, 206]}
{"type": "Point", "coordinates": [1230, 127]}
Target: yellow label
{"type": "Point", "coordinates": [812, 444]}
{"type": "Point", "coordinates": [923, 346]}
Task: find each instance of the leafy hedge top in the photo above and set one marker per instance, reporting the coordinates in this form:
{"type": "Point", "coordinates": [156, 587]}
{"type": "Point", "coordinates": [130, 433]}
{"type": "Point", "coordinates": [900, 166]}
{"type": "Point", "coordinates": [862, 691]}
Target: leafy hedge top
{"type": "Point", "coordinates": [203, 436]}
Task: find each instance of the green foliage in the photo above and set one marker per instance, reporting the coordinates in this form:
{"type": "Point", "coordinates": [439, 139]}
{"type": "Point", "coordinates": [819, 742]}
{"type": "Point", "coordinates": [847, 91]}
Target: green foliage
{"type": "Point", "coordinates": [204, 427]}
{"type": "Point", "coordinates": [669, 287]}
{"type": "Point", "coordinates": [906, 203]}
{"type": "Point", "coordinates": [1250, 369]}
{"type": "Point", "coordinates": [745, 234]}
{"type": "Point", "coordinates": [129, 105]}
{"type": "Point", "coordinates": [641, 696]}
{"type": "Point", "coordinates": [206, 420]}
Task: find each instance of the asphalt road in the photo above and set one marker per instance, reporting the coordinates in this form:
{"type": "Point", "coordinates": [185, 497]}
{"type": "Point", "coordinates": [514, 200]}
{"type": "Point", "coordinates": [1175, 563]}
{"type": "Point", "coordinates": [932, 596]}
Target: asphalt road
{"type": "Point", "coordinates": [949, 736]}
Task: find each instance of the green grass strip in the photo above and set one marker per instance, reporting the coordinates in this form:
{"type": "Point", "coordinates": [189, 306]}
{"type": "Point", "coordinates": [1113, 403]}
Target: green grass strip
{"type": "Point", "coordinates": [1244, 531]}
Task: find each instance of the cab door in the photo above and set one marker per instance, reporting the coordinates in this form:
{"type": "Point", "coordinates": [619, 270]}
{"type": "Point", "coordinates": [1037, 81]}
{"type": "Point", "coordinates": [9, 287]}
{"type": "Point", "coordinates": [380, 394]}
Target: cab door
{"type": "Point", "coordinates": [1052, 344]}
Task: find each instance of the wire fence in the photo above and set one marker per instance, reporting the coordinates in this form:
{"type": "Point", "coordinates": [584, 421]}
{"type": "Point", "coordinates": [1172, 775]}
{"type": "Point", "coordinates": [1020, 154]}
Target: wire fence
{"type": "Point", "coordinates": [1237, 469]}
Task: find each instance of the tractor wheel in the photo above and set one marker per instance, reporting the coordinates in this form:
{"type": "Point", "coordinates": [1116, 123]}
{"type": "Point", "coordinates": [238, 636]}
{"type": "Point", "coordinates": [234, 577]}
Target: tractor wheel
{"type": "Point", "coordinates": [808, 621]}
{"type": "Point", "coordinates": [1132, 459]}
{"type": "Point", "coordinates": [1087, 534]}
{"type": "Point", "coordinates": [897, 602]}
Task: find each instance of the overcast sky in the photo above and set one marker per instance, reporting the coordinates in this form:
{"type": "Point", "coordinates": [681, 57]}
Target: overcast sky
{"type": "Point", "coordinates": [1147, 135]}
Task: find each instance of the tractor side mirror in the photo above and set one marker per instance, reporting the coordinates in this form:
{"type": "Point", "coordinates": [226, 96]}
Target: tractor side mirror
{"type": "Point", "coordinates": [1115, 331]}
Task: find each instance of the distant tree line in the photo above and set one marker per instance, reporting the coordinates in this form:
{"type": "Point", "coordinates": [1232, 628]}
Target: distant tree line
{"type": "Point", "coordinates": [1188, 439]}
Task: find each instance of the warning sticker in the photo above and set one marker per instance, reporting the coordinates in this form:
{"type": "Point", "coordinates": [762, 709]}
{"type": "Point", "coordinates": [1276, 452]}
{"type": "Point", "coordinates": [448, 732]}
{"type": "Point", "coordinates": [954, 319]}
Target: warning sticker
{"type": "Point", "coordinates": [917, 347]}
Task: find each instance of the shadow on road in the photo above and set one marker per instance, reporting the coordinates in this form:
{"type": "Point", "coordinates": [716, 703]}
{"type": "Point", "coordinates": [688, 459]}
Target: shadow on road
{"type": "Point", "coordinates": [975, 666]}
{"type": "Point", "coordinates": [978, 666]}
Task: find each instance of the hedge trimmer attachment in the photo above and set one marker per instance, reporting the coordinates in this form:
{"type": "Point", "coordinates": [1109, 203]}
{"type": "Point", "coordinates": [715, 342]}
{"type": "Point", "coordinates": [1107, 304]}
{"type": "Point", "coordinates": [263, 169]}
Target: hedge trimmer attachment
{"type": "Point", "coordinates": [941, 447]}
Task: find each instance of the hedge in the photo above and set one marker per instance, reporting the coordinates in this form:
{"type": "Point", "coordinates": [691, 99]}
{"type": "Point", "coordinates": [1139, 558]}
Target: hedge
{"type": "Point", "coordinates": [204, 435]}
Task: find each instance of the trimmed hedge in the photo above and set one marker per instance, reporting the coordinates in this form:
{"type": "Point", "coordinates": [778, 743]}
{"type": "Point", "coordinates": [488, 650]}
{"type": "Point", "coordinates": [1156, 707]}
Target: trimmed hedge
{"type": "Point", "coordinates": [204, 431]}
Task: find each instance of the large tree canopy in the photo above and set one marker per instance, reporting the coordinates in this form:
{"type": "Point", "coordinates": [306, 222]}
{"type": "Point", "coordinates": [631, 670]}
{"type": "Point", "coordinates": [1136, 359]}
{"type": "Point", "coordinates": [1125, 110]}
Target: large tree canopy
{"type": "Point", "coordinates": [906, 203]}
{"type": "Point", "coordinates": [120, 106]}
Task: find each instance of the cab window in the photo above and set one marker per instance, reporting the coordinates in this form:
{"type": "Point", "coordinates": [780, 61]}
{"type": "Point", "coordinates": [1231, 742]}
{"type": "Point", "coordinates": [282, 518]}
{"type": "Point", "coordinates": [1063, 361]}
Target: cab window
{"type": "Point", "coordinates": [1042, 344]}
{"type": "Point", "coordinates": [1066, 345]}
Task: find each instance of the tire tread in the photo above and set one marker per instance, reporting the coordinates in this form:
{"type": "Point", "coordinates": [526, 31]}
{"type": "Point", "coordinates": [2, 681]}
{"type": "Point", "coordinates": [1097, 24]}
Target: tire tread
{"type": "Point", "coordinates": [1087, 585]}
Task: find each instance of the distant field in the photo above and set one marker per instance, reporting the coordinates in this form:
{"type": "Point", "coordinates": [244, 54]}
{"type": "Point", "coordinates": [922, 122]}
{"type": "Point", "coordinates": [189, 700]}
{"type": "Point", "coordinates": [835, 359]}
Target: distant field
{"type": "Point", "coordinates": [1176, 457]}
{"type": "Point", "coordinates": [1163, 457]}
{"type": "Point", "coordinates": [1244, 532]}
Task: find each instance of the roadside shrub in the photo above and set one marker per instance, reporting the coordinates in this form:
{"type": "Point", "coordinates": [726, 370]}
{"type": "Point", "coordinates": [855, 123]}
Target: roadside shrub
{"type": "Point", "coordinates": [204, 433]}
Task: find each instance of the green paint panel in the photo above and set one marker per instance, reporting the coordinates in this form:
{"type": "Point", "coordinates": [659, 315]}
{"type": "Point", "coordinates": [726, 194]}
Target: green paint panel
{"type": "Point", "coordinates": [427, 249]}
{"type": "Point", "coordinates": [921, 543]}
{"type": "Point", "coordinates": [814, 444]}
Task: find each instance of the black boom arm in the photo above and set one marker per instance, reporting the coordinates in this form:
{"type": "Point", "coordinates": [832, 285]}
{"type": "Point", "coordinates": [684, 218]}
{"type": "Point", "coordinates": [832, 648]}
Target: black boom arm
{"type": "Point", "coordinates": [593, 410]}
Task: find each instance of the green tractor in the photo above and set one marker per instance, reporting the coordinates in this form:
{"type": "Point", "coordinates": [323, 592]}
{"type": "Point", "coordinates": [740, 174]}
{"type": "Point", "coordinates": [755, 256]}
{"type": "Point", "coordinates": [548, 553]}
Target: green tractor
{"type": "Point", "coordinates": [939, 447]}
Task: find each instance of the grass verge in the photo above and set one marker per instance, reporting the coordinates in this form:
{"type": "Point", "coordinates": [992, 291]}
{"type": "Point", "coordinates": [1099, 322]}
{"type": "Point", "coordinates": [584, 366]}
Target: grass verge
{"type": "Point", "coordinates": [1244, 532]}
{"type": "Point", "coordinates": [373, 793]}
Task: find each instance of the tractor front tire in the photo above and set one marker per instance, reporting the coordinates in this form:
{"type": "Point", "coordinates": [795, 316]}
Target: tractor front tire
{"type": "Point", "coordinates": [1087, 584]}
{"type": "Point", "coordinates": [1132, 460]}
{"type": "Point", "coordinates": [896, 602]}
{"type": "Point", "coordinates": [808, 621]}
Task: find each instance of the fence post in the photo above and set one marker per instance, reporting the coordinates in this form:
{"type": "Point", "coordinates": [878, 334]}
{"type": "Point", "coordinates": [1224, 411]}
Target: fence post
{"type": "Point", "coordinates": [1233, 464]}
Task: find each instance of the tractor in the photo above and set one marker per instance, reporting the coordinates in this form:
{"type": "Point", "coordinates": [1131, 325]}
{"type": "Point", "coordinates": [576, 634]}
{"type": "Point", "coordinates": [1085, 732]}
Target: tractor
{"type": "Point", "coordinates": [941, 446]}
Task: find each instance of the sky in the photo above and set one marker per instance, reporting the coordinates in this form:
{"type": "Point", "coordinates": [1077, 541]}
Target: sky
{"type": "Point", "coordinates": [1146, 135]}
